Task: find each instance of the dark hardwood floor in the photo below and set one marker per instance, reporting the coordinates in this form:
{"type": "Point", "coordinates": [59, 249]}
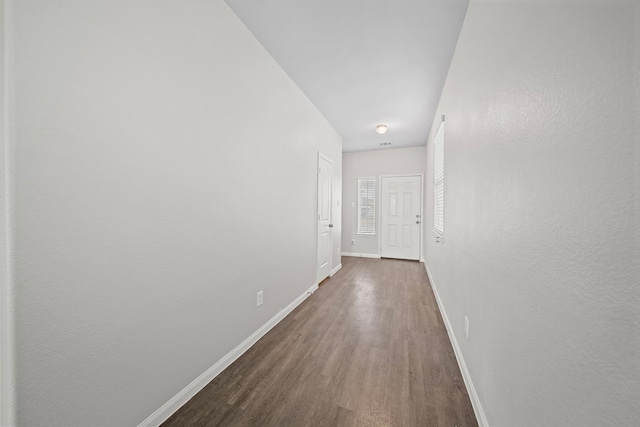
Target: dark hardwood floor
{"type": "Point", "coordinates": [369, 348]}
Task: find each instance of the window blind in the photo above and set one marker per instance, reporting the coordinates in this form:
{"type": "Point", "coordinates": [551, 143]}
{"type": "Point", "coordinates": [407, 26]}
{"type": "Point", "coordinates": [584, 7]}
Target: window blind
{"type": "Point", "coordinates": [438, 179]}
{"type": "Point", "coordinates": [367, 206]}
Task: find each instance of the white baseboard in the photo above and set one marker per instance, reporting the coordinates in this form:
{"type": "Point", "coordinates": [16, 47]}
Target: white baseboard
{"type": "Point", "coordinates": [335, 270]}
{"type": "Point", "coordinates": [473, 395]}
{"type": "Point", "coordinates": [360, 255]}
{"type": "Point", "coordinates": [166, 410]}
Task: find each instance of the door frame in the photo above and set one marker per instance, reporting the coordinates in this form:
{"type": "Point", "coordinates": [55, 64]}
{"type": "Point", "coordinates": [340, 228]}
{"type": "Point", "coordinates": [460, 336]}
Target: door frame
{"type": "Point", "coordinates": [422, 199]}
{"type": "Point", "coordinates": [323, 156]}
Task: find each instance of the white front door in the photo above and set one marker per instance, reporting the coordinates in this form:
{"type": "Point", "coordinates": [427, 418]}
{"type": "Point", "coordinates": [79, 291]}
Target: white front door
{"type": "Point", "coordinates": [325, 171]}
{"type": "Point", "coordinates": [401, 208]}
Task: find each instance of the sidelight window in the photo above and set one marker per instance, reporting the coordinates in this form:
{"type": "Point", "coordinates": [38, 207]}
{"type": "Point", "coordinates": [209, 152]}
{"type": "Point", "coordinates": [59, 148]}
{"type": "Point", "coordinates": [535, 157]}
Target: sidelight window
{"type": "Point", "coordinates": [367, 206]}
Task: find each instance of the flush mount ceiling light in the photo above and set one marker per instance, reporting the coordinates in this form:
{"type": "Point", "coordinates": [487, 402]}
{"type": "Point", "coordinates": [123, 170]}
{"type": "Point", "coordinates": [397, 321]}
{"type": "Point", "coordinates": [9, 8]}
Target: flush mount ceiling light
{"type": "Point", "coordinates": [381, 129]}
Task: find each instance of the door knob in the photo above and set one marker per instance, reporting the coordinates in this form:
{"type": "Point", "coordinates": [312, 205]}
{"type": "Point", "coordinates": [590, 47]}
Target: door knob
{"type": "Point", "coordinates": [417, 222]}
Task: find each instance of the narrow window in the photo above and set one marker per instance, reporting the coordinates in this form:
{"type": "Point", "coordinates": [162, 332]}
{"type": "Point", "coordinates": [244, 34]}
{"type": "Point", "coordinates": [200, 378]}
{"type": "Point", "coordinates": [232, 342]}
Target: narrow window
{"type": "Point", "coordinates": [367, 206]}
{"type": "Point", "coordinates": [438, 179]}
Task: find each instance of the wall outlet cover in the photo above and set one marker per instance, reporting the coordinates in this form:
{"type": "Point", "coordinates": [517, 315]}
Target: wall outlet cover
{"type": "Point", "coordinates": [260, 299]}
{"type": "Point", "coordinates": [466, 326]}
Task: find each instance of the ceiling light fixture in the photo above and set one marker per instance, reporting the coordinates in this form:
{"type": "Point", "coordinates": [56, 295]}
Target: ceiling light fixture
{"type": "Point", "coordinates": [381, 129]}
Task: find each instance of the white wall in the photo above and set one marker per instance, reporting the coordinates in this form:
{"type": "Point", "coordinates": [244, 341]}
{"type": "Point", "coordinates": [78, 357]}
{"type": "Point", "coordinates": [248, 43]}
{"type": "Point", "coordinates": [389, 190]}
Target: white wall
{"type": "Point", "coordinates": [539, 213]}
{"type": "Point", "coordinates": [372, 163]}
{"type": "Point", "coordinates": [164, 171]}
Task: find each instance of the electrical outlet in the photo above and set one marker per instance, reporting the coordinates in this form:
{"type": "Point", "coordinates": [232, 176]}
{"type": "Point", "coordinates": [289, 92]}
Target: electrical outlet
{"type": "Point", "coordinates": [338, 251]}
{"type": "Point", "coordinates": [466, 326]}
{"type": "Point", "coordinates": [353, 241]}
{"type": "Point", "coordinates": [260, 299]}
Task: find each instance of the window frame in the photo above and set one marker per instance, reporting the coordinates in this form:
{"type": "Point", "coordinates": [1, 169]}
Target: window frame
{"type": "Point", "coordinates": [361, 229]}
{"type": "Point", "coordinates": [438, 182]}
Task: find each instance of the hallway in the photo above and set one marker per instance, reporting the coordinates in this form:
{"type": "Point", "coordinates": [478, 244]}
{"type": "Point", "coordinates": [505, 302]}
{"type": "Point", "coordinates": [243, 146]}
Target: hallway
{"type": "Point", "coordinates": [368, 348]}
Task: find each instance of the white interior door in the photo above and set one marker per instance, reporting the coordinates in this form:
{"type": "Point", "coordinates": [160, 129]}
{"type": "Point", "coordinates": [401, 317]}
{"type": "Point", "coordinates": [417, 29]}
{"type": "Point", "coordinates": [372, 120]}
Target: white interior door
{"type": "Point", "coordinates": [401, 216]}
{"type": "Point", "coordinates": [325, 176]}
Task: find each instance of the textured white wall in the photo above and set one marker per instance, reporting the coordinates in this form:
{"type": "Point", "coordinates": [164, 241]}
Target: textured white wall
{"type": "Point", "coordinates": [372, 163]}
{"type": "Point", "coordinates": [164, 172]}
{"type": "Point", "coordinates": [539, 212]}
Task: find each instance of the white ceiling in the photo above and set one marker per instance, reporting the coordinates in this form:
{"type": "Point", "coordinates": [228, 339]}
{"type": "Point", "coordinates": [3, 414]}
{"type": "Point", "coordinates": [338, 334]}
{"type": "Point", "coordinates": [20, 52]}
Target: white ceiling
{"type": "Point", "coordinates": [363, 62]}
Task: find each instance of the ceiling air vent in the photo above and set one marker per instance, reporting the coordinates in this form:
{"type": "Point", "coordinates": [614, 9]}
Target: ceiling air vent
{"type": "Point", "coordinates": [385, 143]}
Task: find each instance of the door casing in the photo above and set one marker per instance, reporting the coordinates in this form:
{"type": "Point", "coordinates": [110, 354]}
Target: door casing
{"type": "Point", "coordinates": [324, 217]}
{"type": "Point", "coordinates": [417, 228]}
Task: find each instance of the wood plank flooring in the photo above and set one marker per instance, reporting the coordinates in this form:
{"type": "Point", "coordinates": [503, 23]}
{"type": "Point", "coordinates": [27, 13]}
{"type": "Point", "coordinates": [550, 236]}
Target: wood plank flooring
{"type": "Point", "coordinates": [368, 348]}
